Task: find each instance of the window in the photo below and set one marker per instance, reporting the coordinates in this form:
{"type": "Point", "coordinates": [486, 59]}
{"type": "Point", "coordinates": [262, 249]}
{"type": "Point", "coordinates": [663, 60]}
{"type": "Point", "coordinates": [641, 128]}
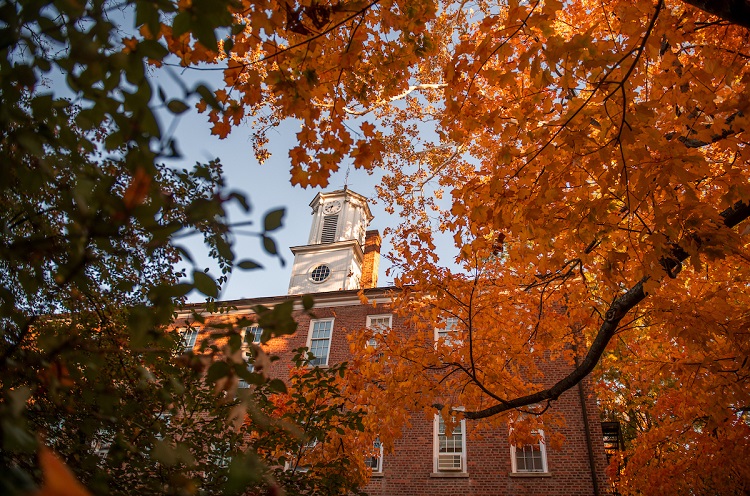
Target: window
{"type": "Point", "coordinates": [320, 340]}
{"type": "Point", "coordinates": [253, 331]}
{"type": "Point", "coordinates": [251, 334]}
{"type": "Point", "coordinates": [530, 458]}
{"type": "Point", "coordinates": [328, 233]}
{"type": "Point", "coordinates": [379, 324]}
{"type": "Point", "coordinates": [163, 420]}
{"type": "Point", "coordinates": [188, 336]}
{"type": "Point", "coordinates": [295, 461]}
{"type": "Point", "coordinates": [448, 331]}
{"type": "Point", "coordinates": [220, 455]}
{"type": "Point", "coordinates": [375, 462]}
{"type": "Point", "coordinates": [102, 442]}
{"type": "Point", "coordinates": [450, 450]}
{"type": "Point", "coordinates": [320, 273]}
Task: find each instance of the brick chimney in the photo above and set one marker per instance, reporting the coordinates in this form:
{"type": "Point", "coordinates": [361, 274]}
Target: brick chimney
{"type": "Point", "coordinates": [371, 262]}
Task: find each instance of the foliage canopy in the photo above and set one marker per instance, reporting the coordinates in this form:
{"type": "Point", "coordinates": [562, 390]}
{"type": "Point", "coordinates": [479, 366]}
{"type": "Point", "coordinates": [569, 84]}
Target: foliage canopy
{"type": "Point", "coordinates": [589, 160]}
{"type": "Point", "coordinates": [92, 226]}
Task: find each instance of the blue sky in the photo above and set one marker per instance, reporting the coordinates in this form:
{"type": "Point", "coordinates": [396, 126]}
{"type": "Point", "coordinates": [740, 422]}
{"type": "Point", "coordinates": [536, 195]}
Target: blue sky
{"type": "Point", "coordinates": [267, 187]}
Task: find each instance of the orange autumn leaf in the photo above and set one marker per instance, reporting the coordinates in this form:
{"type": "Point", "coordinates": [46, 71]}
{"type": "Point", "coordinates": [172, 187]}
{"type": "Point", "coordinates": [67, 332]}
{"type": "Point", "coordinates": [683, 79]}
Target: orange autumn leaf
{"type": "Point", "coordinates": [138, 188]}
{"type": "Point", "coordinates": [221, 129]}
{"type": "Point", "coordinates": [582, 159]}
{"type": "Point", "coordinates": [58, 480]}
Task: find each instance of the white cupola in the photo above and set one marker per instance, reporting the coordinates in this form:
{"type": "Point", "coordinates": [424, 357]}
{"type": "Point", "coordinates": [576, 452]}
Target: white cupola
{"type": "Point", "coordinates": [333, 258]}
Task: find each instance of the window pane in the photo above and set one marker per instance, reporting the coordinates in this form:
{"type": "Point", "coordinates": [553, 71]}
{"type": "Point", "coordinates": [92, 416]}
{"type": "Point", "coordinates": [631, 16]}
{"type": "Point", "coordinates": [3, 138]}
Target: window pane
{"type": "Point", "coordinates": [189, 337]}
{"type": "Point", "coordinates": [529, 458]}
{"type": "Point", "coordinates": [375, 462]}
{"type": "Point", "coordinates": [449, 444]}
{"type": "Point", "coordinates": [256, 334]}
{"type": "Point", "coordinates": [320, 341]}
{"type": "Point", "coordinates": [448, 330]}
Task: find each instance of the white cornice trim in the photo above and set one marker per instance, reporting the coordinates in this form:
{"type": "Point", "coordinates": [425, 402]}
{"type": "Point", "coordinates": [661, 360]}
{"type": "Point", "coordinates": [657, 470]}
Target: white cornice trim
{"type": "Point", "coordinates": [375, 296]}
{"type": "Point", "coordinates": [318, 248]}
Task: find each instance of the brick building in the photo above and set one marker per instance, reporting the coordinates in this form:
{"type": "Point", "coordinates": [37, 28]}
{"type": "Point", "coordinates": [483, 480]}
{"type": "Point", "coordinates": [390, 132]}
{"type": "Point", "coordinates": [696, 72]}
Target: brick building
{"type": "Point", "coordinates": [342, 257]}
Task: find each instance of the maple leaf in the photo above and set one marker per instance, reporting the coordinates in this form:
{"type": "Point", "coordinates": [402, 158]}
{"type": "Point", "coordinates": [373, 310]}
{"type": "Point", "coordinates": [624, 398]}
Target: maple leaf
{"type": "Point", "coordinates": [221, 129]}
{"type": "Point", "coordinates": [368, 130]}
{"type": "Point", "coordinates": [587, 151]}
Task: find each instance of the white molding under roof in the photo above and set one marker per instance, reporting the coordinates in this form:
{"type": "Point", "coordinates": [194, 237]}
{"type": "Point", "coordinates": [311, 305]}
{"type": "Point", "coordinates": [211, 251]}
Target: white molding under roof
{"type": "Point", "coordinates": [349, 243]}
{"type": "Point", "coordinates": [328, 299]}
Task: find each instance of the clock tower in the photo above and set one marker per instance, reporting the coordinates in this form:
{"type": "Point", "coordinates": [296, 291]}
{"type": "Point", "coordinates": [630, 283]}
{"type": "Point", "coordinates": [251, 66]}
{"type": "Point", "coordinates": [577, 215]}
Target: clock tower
{"type": "Point", "coordinates": [334, 256]}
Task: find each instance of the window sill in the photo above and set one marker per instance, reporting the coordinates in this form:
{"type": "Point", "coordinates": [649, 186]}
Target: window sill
{"type": "Point", "coordinates": [377, 475]}
{"type": "Point", "coordinates": [530, 474]}
{"type": "Point", "coordinates": [450, 475]}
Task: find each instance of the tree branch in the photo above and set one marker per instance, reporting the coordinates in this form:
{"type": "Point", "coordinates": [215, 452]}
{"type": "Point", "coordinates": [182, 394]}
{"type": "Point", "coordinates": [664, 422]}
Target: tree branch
{"type": "Point", "coordinates": [734, 11]}
{"type": "Point", "coordinates": [617, 310]}
{"type": "Point", "coordinates": [411, 89]}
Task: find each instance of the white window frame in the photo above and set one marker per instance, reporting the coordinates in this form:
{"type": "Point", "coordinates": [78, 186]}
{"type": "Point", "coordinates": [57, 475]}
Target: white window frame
{"type": "Point", "coordinates": [314, 268]}
{"type": "Point", "coordinates": [378, 468]}
{"type": "Point", "coordinates": [436, 468]}
{"type": "Point", "coordinates": [297, 458]}
{"type": "Point", "coordinates": [378, 328]}
{"type": "Point", "coordinates": [329, 227]}
{"type": "Point", "coordinates": [447, 332]}
{"type": "Point", "coordinates": [257, 332]}
{"type": "Point", "coordinates": [542, 449]}
{"type": "Point", "coordinates": [246, 352]}
{"type": "Point", "coordinates": [102, 443]}
{"type": "Point", "coordinates": [188, 338]}
{"type": "Point", "coordinates": [323, 360]}
{"type": "Point", "coordinates": [166, 419]}
{"type": "Point", "coordinates": [219, 455]}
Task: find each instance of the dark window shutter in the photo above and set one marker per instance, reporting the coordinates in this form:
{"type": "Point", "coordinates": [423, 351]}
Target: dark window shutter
{"type": "Point", "coordinates": [328, 235]}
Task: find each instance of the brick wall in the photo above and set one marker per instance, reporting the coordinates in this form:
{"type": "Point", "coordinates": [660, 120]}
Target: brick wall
{"type": "Point", "coordinates": [371, 259]}
{"type": "Point", "coordinates": [410, 470]}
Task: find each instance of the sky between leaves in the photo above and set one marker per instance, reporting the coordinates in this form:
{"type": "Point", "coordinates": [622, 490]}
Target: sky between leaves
{"type": "Point", "coordinates": [267, 187]}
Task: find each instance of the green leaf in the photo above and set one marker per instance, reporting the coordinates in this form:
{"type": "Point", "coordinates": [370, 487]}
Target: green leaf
{"type": "Point", "coordinates": [273, 220]}
{"type": "Point", "coordinates": [180, 24]}
{"type": "Point", "coordinates": [217, 370]}
{"type": "Point", "coordinates": [224, 249]}
{"type": "Point", "coordinates": [205, 284]}
{"type": "Point", "coordinates": [228, 45]}
{"type": "Point", "coordinates": [16, 438]}
{"type": "Point", "coordinates": [238, 28]}
{"type": "Point", "coordinates": [164, 453]}
{"type": "Point", "coordinates": [147, 14]}
{"type": "Point", "coordinates": [277, 385]}
{"type": "Point", "coordinates": [177, 106]}
{"type": "Point", "coordinates": [269, 245]}
{"type": "Point", "coordinates": [240, 199]}
{"type": "Point", "coordinates": [308, 302]}
{"type": "Point", "coordinates": [248, 265]}
{"type": "Point", "coordinates": [208, 96]}
{"type": "Point", "coordinates": [205, 34]}
{"type": "Point", "coordinates": [31, 142]}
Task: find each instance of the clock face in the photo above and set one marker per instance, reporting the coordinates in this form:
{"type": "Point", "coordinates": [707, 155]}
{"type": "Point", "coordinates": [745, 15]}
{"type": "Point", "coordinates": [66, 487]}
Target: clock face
{"type": "Point", "coordinates": [332, 207]}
